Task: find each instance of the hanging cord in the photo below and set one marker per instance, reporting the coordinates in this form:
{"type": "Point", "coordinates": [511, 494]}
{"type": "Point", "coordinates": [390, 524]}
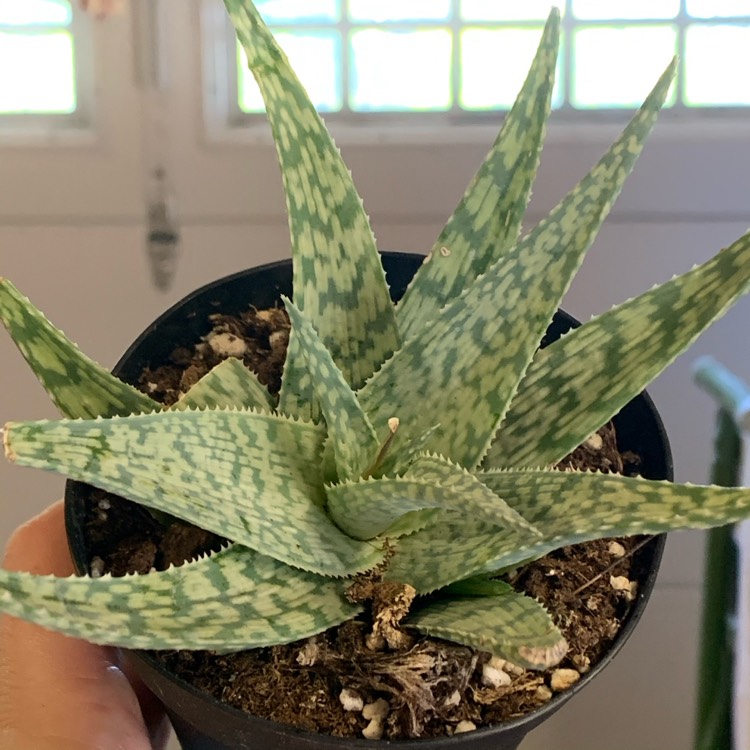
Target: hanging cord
{"type": "Point", "coordinates": [162, 232]}
{"type": "Point", "coordinates": [162, 241]}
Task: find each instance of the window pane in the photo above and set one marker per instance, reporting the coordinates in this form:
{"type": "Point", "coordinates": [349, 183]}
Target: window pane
{"type": "Point", "coordinates": [316, 56]}
{"type": "Point", "coordinates": [494, 63]}
{"type": "Point", "coordinates": [26, 12]}
{"type": "Point", "coordinates": [299, 11]}
{"type": "Point", "coordinates": [718, 8]}
{"type": "Point", "coordinates": [507, 10]}
{"type": "Point", "coordinates": [401, 70]}
{"type": "Point", "coordinates": [617, 67]}
{"type": "Point", "coordinates": [399, 10]}
{"type": "Point", "coordinates": [43, 77]}
{"type": "Point", "coordinates": [606, 9]}
{"type": "Point", "coordinates": [717, 61]}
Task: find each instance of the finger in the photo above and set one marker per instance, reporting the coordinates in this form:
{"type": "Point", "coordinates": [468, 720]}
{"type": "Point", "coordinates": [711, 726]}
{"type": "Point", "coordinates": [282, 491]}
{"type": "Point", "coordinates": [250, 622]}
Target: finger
{"type": "Point", "coordinates": [58, 693]}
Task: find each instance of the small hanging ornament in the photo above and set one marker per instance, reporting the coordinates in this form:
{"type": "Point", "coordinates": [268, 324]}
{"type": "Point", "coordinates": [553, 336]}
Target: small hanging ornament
{"type": "Point", "coordinates": [162, 238]}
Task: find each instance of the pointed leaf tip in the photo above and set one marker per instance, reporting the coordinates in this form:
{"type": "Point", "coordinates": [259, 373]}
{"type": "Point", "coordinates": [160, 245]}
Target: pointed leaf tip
{"type": "Point", "coordinates": [354, 441]}
{"type": "Point", "coordinates": [486, 223]}
{"type": "Point", "coordinates": [230, 601]}
{"type": "Point", "coordinates": [338, 278]}
{"type": "Point", "coordinates": [77, 385]}
{"type": "Point", "coordinates": [510, 625]}
{"type": "Point", "coordinates": [571, 382]}
{"type": "Point", "coordinates": [254, 478]}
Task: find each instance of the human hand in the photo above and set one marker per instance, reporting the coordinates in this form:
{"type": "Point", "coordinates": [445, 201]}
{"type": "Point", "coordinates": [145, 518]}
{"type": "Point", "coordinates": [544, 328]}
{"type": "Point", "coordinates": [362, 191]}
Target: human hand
{"type": "Point", "coordinates": [58, 693]}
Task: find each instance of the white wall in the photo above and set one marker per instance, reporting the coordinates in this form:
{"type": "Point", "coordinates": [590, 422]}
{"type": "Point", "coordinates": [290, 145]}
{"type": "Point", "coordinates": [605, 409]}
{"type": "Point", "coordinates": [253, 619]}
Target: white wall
{"type": "Point", "coordinates": [71, 238]}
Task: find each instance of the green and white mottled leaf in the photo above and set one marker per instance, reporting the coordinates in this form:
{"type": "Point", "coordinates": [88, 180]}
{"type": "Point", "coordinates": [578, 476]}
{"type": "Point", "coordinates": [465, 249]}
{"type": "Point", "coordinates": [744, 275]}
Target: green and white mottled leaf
{"type": "Point", "coordinates": [233, 600]}
{"type": "Point", "coordinates": [403, 454]}
{"type": "Point", "coordinates": [480, 585]}
{"type": "Point", "coordinates": [229, 384]}
{"type": "Point", "coordinates": [578, 383]}
{"type": "Point", "coordinates": [449, 548]}
{"type": "Point", "coordinates": [296, 396]}
{"type": "Point", "coordinates": [338, 279]}
{"type": "Point", "coordinates": [254, 478]}
{"type": "Point", "coordinates": [570, 507]}
{"type": "Point", "coordinates": [364, 509]}
{"type": "Point", "coordinates": [411, 522]}
{"type": "Point", "coordinates": [77, 385]}
{"type": "Point", "coordinates": [567, 508]}
{"type": "Point", "coordinates": [486, 223]}
{"type": "Point", "coordinates": [440, 471]}
{"type": "Point", "coordinates": [509, 625]}
{"type": "Point", "coordinates": [463, 370]}
{"type": "Point", "coordinates": [355, 444]}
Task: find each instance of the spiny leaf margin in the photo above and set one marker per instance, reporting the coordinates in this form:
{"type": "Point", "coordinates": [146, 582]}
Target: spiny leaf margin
{"type": "Point", "coordinates": [477, 350]}
{"type": "Point", "coordinates": [510, 625]}
{"type": "Point", "coordinates": [355, 444]}
{"type": "Point", "coordinates": [569, 390]}
{"type": "Point", "coordinates": [229, 384]}
{"type": "Point", "coordinates": [78, 386]}
{"type": "Point", "coordinates": [233, 600]}
{"type": "Point", "coordinates": [339, 281]}
{"type": "Point", "coordinates": [486, 223]}
{"type": "Point", "coordinates": [364, 509]}
{"type": "Point", "coordinates": [249, 476]}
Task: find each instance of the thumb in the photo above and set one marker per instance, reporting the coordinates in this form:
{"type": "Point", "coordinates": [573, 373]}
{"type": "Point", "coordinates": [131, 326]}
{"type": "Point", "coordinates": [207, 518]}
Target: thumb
{"type": "Point", "coordinates": [58, 693]}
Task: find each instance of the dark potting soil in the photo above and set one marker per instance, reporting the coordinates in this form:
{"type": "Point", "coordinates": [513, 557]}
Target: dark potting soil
{"type": "Point", "coordinates": [431, 687]}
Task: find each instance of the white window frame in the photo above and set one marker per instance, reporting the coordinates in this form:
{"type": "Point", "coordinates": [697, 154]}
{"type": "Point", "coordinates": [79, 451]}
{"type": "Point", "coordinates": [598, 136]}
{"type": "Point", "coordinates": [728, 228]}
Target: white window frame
{"type": "Point", "coordinates": [225, 121]}
{"type": "Point", "coordinates": [66, 170]}
{"type": "Point", "coordinates": [36, 127]}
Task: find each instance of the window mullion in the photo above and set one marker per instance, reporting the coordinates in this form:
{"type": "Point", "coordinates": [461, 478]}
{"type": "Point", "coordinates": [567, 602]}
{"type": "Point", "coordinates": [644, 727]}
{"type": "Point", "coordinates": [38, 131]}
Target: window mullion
{"type": "Point", "coordinates": [567, 40]}
{"type": "Point", "coordinates": [34, 41]}
{"type": "Point", "coordinates": [682, 23]}
{"type": "Point", "coordinates": [346, 58]}
{"type": "Point", "coordinates": [613, 99]}
{"type": "Point", "coordinates": [456, 77]}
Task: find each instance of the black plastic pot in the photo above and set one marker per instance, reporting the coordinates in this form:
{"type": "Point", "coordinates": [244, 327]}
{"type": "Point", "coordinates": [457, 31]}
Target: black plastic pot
{"type": "Point", "coordinates": [203, 723]}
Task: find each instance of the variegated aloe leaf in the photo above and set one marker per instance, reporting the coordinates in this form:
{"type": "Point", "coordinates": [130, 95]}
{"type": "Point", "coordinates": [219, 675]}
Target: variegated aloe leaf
{"type": "Point", "coordinates": [411, 522]}
{"type": "Point", "coordinates": [481, 585]}
{"type": "Point", "coordinates": [509, 625]}
{"type": "Point", "coordinates": [355, 444]}
{"type": "Point", "coordinates": [396, 462]}
{"type": "Point", "coordinates": [451, 547]}
{"type": "Point", "coordinates": [77, 385]}
{"type": "Point", "coordinates": [570, 507]}
{"type": "Point", "coordinates": [567, 508]}
{"type": "Point", "coordinates": [233, 600]}
{"type": "Point", "coordinates": [474, 355]}
{"type": "Point", "coordinates": [487, 221]}
{"type": "Point", "coordinates": [575, 385]}
{"type": "Point", "coordinates": [364, 509]}
{"type": "Point", "coordinates": [338, 278]}
{"type": "Point", "coordinates": [254, 478]}
{"type": "Point", "coordinates": [229, 384]}
{"type": "Point", "coordinates": [297, 388]}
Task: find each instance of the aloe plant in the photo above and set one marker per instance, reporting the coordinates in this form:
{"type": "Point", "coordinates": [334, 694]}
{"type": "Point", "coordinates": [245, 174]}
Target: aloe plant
{"type": "Point", "coordinates": [418, 438]}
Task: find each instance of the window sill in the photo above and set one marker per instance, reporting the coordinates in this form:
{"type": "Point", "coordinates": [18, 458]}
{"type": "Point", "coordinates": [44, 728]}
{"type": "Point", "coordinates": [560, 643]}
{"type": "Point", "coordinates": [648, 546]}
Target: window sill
{"type": "Point", "coordinates": [41, 132]}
